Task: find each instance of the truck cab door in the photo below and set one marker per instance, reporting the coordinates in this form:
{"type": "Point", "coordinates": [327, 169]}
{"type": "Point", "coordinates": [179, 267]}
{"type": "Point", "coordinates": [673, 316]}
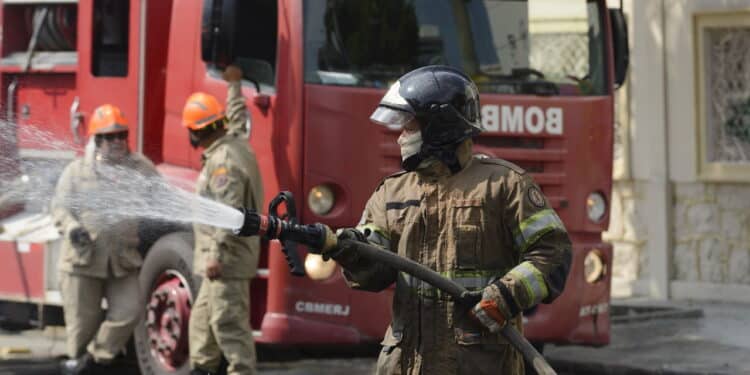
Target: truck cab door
{"type": "Point", "coordinates": [109, 69]}
{"type": "Point", "coordinates": [248, 38]}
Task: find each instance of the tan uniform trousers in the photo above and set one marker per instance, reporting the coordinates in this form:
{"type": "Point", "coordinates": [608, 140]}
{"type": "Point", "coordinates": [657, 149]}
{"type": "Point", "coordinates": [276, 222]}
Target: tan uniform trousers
{"type": "Point", "coordinates": [220, 323]}
{"type": "Point", "coordinates": [85, 321]}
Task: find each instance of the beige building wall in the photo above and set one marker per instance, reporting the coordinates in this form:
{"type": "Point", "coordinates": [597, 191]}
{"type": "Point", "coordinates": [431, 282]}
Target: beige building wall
{"type": "Point", "coordinates": [677, 234]}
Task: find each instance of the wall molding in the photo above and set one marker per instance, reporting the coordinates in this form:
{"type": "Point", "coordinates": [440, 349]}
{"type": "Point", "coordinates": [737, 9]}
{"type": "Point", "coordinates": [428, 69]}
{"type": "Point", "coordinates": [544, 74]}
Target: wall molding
{"type": "Point", "coordinates": [710, 291]}
{"type": "Point", "coordinates": [684, 290]}
{"type": "Point", "coordinates": [622, 288]}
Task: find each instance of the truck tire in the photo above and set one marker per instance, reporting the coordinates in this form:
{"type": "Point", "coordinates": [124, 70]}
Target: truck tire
{"type": "Point", "coordinates": [169, 287]}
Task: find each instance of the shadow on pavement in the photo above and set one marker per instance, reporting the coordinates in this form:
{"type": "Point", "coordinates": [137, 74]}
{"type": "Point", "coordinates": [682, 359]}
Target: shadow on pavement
{"type": "Point", "coordinates": [29, 366]}
{"type": "Point", "coordinates": [51, 366]}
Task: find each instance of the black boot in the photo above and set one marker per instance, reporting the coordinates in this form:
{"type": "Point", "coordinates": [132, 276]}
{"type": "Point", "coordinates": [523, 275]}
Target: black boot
{"type": "Point", "coordinates": [88, 366]}
{"type": "Point", "coordinates": [68, 366]}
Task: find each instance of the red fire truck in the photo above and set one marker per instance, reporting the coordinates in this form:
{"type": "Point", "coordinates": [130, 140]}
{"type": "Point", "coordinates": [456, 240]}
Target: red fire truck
{"type": "Point", "coordinates": [314, 71]}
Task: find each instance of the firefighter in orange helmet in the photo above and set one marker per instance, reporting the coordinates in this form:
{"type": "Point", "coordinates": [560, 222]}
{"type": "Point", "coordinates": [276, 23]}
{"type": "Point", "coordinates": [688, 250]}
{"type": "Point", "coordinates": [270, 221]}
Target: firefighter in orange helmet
{"type": "Point", "coordinates": [110, 125]}
{"type": "Point", "coordinates": [99, 257]}
{"type": "Point", "coordinates": [220, 319]}
{"type": "Point", "coordinates": [202, 115]}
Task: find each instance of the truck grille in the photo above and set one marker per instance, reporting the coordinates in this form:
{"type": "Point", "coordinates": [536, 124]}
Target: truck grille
{"type": "Point", "coordinates": [543, 158]}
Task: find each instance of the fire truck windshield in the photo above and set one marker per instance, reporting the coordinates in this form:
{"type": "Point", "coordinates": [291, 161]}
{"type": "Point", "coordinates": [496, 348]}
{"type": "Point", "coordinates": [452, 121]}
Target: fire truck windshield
{"type": "Point", "coordinates": [536, 47]}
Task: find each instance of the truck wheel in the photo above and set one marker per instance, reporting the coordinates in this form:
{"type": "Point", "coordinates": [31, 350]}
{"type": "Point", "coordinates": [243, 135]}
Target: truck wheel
{"type": "Point", "coordinates": [169, 286]}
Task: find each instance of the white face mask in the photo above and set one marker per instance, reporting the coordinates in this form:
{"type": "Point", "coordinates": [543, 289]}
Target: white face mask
{"type": "Point", "coordinates": [410, 144]}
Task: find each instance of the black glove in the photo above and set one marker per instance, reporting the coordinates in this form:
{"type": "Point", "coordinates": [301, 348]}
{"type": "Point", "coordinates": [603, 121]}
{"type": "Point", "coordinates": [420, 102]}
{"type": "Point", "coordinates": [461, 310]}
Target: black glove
{"type": "Point", "coordinates": [351, 234]}
{"type": "Point", "coordinates": [462, 309]}
{"type": "Point", "coordinates": [343, 252]}
{"type": "Point", "coordinates": [80, 237]}
{"type": "Point", "coordinates": [471, 298]}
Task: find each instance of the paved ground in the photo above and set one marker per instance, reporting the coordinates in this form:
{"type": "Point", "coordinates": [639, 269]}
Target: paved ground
{"type": "Point", "coordinates": [717, 343]}
{"type": "Point", "coordinates": [301, 367]}
{"type": "Point", "coordinates": [36, 367]}
{"type": "Point", "coordinates": [32, 343]}
{"type": "Point", "coordinates": [35, 352]}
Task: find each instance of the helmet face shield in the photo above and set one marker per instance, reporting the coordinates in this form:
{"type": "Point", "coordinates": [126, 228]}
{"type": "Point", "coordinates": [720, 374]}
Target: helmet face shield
{"type": "Point", "coordinates": [391, 118]}
{"type": "Point", "coordinates": [445, 102]}
{"type": "Point", "coordinates": [393, 111]}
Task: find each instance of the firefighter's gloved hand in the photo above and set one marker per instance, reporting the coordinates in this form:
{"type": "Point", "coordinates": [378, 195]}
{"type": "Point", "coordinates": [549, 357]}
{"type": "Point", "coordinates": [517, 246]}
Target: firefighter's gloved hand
{"type": "Point", "coordinates": [351, 234]}
{"type": "Point", "coordinates": [492, 310]}
{"type": "Point", "coordinates": [342, 251]}
{"type": "Point", "coordinates": [80, 237]}
{"type": "Point", "coordinates": [471, 298]}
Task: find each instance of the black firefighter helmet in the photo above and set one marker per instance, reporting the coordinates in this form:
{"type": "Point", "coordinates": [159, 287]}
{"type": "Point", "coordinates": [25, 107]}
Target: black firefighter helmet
{"type": "Point", "coordinates": [444, 101]}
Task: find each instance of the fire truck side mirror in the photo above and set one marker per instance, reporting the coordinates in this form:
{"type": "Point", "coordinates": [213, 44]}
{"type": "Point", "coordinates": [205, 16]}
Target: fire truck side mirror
{"type": "Point", "coordinates": [620, 45]}
{"type": "Point", "coordinates": [218, 32]}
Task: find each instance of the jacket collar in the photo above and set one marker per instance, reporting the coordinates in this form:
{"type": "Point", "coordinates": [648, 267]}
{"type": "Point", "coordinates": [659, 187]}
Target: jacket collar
{"type": "Point", "coordinates": [226, 138]}
{"type": "Point", "coordinates": [437, 169]}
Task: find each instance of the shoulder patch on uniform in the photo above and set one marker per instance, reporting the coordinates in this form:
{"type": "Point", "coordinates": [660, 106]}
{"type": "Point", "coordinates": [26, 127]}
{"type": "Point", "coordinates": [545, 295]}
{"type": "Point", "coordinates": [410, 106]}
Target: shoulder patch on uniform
{"type": "Point", "coordinates": [392, 175]}
{"type": "Point", "coordinates": [504, 163]}
{"type": "Point", "coordinates": [535, 197]}
{"type": "Point", "coordinates": [219, 178]}
{"type": "Point", "coordinates": [219, 171]}
{"type": "Point", "coordinates": [399, 173]}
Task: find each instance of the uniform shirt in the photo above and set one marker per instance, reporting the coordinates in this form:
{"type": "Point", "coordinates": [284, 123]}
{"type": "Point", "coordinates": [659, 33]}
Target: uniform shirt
{"type": "Point", "coordinates": [90, 194]}
{"type": "Point", "coordinates": [230, 175]}
{"type": "Point", "coordinates": [488, 222]}
{"type": "Point", "coordinates": [236, 110]}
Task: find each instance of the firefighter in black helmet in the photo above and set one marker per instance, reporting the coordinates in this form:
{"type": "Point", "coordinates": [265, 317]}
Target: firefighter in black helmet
{"type": "Point", "coordinates": [443, 101]}
{"type": "Point", "coordinates": [482, 222]}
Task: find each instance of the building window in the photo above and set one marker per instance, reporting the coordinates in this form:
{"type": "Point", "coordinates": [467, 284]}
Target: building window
{"type": "Point", "coordinates": [723, 95]}
{"type": "Point", "coordinates": [109, 50]}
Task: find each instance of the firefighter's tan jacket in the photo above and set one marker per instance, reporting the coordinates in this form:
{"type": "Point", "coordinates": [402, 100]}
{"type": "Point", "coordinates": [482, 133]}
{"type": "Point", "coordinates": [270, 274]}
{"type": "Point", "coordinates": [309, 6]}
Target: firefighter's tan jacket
{"type": "Point", "coordinates": [90, 195]}
{"type": "Point", "coordinates": [236, 110]}
{"type": "Point", "coordinates": [230, 175]}
{"type": "Point", "coordinates": [488, 221]}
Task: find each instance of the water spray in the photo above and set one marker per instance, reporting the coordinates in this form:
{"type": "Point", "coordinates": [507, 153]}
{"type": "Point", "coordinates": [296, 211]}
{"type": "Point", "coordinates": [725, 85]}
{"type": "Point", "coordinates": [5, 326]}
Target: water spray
{"type": "Point", "coordinates": [123, 194]}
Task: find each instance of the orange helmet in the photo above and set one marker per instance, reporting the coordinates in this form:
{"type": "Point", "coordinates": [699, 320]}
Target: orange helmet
{"type": "Point", "coordinates": [107, 119]}
{"type": "Point", "coordinates": [201, 110]}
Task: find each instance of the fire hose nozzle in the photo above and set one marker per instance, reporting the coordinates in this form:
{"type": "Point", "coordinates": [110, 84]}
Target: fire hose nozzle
{"type": "Point", "coordinates": [318, 237]}
{"type": "Point", "coordinates": [250, 225]}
